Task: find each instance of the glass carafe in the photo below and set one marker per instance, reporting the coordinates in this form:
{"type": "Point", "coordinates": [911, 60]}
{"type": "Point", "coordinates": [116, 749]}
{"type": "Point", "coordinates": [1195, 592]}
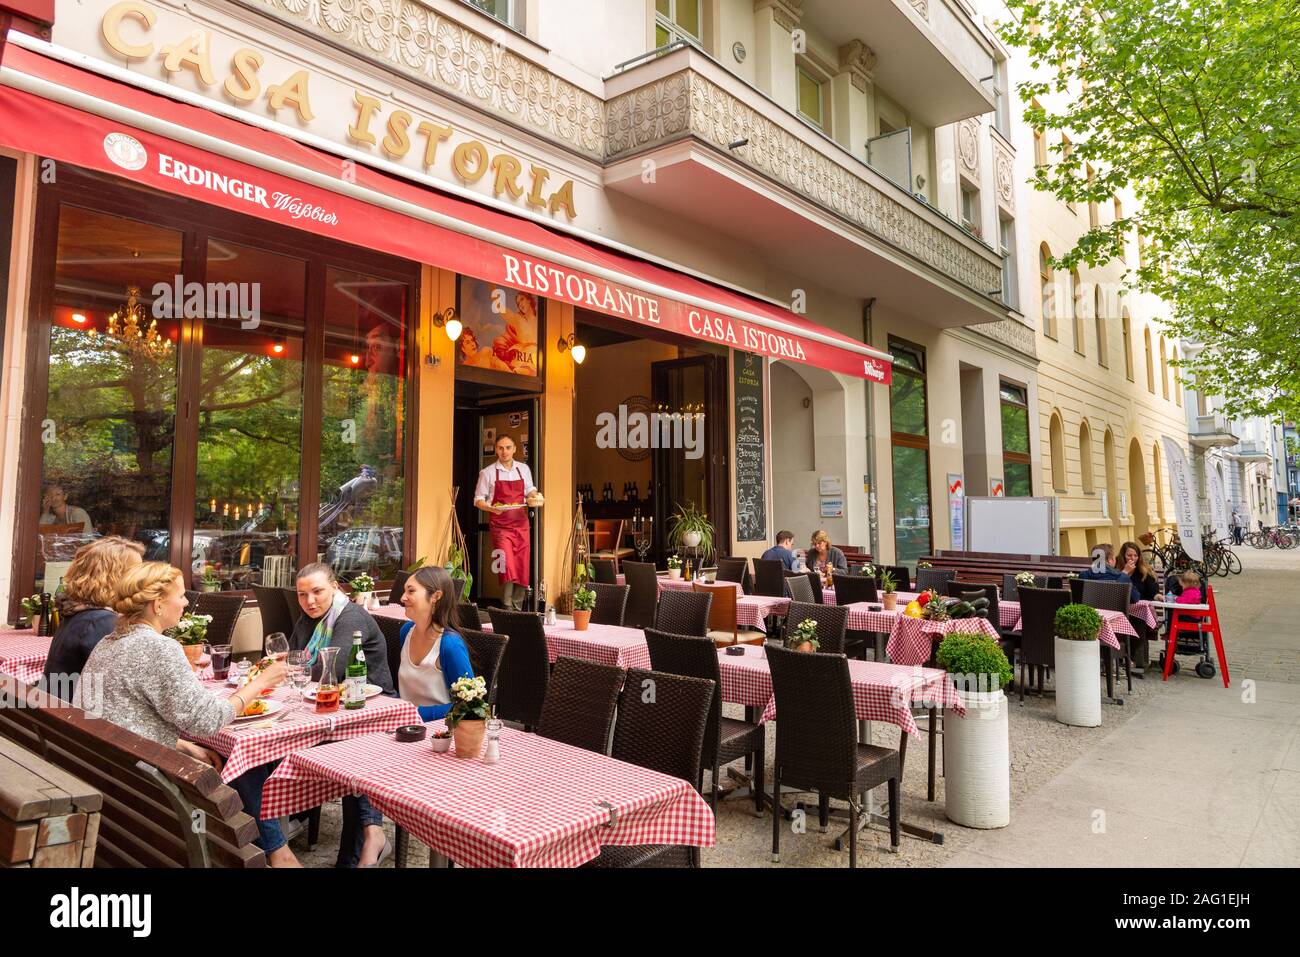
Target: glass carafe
{"type": "Point", "coordinates": [329, 688]}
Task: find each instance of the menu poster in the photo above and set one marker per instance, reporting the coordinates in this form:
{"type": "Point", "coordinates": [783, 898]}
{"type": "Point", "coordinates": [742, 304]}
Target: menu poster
{"type": "Point", "coordinates": [751, 486]}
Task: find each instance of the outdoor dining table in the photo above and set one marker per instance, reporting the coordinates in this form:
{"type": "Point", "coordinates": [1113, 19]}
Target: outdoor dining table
{"type": "Point", "coordinates": [544, 804]}
{"type": "Point", "coordinates": [23, 654]}
{"type": "Point", "coordinates": [607, 644]}
{"type": "Point", "coordinates": [677, 584]}
{"type": "Point", "coordinates": [247, 744]}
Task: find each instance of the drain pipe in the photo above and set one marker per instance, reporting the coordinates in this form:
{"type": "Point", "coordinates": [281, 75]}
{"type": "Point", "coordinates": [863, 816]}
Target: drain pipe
{"type": "Point", "coordinates": [873, 520]}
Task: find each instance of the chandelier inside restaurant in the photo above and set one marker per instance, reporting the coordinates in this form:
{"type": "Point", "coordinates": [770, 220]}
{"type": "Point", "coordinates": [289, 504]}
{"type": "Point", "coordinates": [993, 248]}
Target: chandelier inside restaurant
{"type": "Point", "coordinates": [127, 326]}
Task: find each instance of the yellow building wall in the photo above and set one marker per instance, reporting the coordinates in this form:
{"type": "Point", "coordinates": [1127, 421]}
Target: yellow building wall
{"type": "Point", "coordinates": [436, 412]}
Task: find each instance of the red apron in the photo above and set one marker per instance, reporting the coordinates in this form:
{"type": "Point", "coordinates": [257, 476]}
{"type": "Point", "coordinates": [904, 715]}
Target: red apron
{"type": "Point", "coordinates": [510, 531]}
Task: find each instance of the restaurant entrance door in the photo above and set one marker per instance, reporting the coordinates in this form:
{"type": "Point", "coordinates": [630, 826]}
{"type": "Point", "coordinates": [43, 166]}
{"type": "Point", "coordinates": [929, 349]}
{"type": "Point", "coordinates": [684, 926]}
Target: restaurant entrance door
{"type": "Point", "coordinates": [483, 415]}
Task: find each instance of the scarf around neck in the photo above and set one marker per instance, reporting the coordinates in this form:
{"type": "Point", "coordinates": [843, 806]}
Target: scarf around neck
{"type": "Point", "coordinates": [324, 631]}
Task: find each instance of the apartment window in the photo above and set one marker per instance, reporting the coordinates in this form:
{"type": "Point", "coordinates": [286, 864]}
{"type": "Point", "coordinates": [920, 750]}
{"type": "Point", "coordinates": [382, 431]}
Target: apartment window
{"type": "Point", "coordinates": [1094, 213]}
{"type": "Point", "coordinates": [1077, 300]}
{"type": "Point", "coordinates": [1002, 102]}
{"type": "Point", "coordinates": [1056, 441]}
{"type": "Point", "coordinates": [503, 10]}
{"type": "Point", "coordinates": [1067, 158]}
{"type": "Point", "coordinates": [677, 20]}
{"type": "Point", "coordinates": [812, 105]}
{"type": "Point", "coordinates": [1016, 475]}
{"type": "Point", "coordinates": [1099, 318]}
{"type": "Point", "coordinates": [1151, 369]}
{"type": "Point", "coordinates": [1128, 345]}
{"type": "Point", "coordinates": [970, 207]}
{"type": "Point", "coordinates": [1087, 477]}
{"type": "Point", "coordinates": [1164, 370]}
{"type": "Point", "coordinates": [910, 453]}
{"type": "Point", "coordinates": [1007, 246]}
{"type": "Point", "coordinates": [1047, 286]}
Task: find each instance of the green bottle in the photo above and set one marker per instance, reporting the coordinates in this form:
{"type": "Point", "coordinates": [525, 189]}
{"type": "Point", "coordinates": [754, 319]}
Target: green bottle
{"type": "Point", "coordinates": [354, 684]}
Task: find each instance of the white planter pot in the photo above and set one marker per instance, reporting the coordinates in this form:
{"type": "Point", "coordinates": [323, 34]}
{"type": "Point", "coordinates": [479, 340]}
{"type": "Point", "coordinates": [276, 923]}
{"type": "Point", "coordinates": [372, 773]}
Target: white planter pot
{"type": "Point", "coordinates": [977, 761]}
{"type": "Point", "coordinates": [1078, 683]}
{"type": "Point", "coordinates": [362, 598]}
{"type": "Point", "coordinates": [691, 539]}
{"type": "Point", "coordinates": [674, 573]}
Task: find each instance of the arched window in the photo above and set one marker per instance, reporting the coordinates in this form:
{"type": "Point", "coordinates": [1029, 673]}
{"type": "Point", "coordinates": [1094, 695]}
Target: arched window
{"type": "Point", "coordinates": [1056, 436]}
{"type": "Point", "coordinates": [1160, 482]}
{"type": "Point", "coordinates": [1078, 298]}
{"type": "Point", "coordinates": [1047, 285]}
{"type": "Point", "coordinates": [1128, 345]}
{"type": "Point", "coordinates": [1099, 317]}
{"type": "Point", "coordinates": [1151, 369]}
{"type": "Point", "coordinates": [1178, 381]}
{"type": "Point", "coordinates": [1085, 457]}
{"type": "Point", "coordinates": [1164, 370]}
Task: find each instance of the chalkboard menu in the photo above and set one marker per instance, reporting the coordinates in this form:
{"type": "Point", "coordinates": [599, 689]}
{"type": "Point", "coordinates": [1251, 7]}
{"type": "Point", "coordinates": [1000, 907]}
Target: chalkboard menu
{"type": "Point", "coordinates": [751, 495]}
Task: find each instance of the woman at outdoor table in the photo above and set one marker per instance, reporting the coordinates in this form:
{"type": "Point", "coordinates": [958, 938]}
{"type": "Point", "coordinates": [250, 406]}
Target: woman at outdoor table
{"type": "Point", "coordinates": [329, 619]}
{"type": "Point", "coordinates": [1144, 580]}
{"type": "Point", "coordinates": [822, 553]}
{"type": "Point", "coordinates": [434, 655]}
{"type": "Point", "coordinates": [140, 679]}
{"type": "Point", "coordinates": [85, 609]}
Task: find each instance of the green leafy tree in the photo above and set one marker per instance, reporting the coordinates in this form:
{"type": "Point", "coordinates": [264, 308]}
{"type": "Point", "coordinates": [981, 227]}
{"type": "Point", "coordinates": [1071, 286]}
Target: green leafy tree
{"type": "Point", "coordinates": [1196, 107]}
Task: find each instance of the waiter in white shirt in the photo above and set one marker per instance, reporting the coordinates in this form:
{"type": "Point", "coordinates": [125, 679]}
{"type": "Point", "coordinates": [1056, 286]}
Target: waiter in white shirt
{"type": "Point", "coordinates": [506, 491]}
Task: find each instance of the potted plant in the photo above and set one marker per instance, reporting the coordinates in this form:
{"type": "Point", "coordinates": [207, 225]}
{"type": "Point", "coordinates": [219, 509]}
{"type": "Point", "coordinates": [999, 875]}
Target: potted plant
{"type": "Point", "coordinates": [458, 568]}
{"type": "Point", "coordinates": [1025, 580]}
{"type": "Point", "coordinates": [921, 565]}
{"type": "Point", "coordinates": [584, 602]}
{"type": "Point", "coordinates": [31, 611]}
{"type": "Point", "coordinates": [468, 715]}
{"type": "Point", "coordinates": [977, 751]}
{"type": "Point", "coordinates": [691, 529]}
{"type": "Point", "coordinates": [1078, 666]}
{"type": "Point", "coordinates": [210, 582]}
{"type": "Point", "coordinates": [803, 637]}
{"type": "Point", "coordinates": [888, 586]}
{"type": "Point", "coordinates": [191, 631]}
{"type": "Point", "coordinates": [363, 586]}
{"type": "Point", "coordinates": [674, 566]}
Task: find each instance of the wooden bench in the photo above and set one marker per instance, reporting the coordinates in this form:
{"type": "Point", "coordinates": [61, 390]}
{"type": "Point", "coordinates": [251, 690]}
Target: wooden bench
{"type": "Point", "coordinates": [160, 808]}
{"type": "Point", "coordinates": [987, 568]}
{"type": "Point", "coordinates": [48, 818]}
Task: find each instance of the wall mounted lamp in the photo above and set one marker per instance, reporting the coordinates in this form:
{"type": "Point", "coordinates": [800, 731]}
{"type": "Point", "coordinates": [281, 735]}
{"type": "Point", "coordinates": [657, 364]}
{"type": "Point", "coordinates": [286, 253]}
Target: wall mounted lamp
{"type": "Point", "coordinates": [448, 321]}
{"type": "Point", "coordinates": [570, 342]}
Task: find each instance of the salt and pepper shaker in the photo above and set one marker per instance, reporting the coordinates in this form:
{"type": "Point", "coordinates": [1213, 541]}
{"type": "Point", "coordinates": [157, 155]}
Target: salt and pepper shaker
{"type": "Point", "coordinates": [492, 753]}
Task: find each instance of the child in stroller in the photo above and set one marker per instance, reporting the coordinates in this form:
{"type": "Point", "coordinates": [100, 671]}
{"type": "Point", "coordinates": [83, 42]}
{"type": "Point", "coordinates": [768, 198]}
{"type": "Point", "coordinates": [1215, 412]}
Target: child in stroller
{"type": "Point", "coordinates": [1188, 588]}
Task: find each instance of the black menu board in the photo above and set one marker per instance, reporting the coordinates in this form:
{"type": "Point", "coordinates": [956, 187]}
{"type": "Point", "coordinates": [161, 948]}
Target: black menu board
{"type": "Point", "coordinates": [751, 495]}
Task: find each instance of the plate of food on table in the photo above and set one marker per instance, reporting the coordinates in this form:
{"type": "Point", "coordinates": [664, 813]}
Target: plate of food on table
{"type": "Point", "coordinates": [260, 708]}
{"type": "Point", "coordinates": [309, 692]}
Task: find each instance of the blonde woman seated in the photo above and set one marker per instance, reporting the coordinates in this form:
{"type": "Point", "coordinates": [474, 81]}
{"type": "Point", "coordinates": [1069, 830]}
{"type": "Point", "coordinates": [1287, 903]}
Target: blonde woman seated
{"type": "Point", "coordinates": [139, 679]}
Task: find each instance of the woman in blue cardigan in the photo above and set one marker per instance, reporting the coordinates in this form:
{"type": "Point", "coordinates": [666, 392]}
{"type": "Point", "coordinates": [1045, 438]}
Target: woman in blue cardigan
{"type": "Point", "coordinates": [434, 655]}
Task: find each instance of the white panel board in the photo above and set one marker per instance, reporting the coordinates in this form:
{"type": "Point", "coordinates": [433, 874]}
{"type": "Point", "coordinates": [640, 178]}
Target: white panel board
{"type": "Point", "coordinates": [1025, 525]}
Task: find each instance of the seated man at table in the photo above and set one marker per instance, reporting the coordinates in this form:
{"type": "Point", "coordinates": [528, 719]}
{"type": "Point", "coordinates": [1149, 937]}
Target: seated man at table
{"type": "Point", "coordinates": [782, 551]}
{"type": "Point", "coordinates": [1104, 570]}
{"type": "Point", "coordinates": [330, 619]}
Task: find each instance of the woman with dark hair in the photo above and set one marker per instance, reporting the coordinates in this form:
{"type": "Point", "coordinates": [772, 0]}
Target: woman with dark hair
{"type": "Point", "coordinates": [1144, 580]}
{"type": "Point", "coordinates": [434, 655]}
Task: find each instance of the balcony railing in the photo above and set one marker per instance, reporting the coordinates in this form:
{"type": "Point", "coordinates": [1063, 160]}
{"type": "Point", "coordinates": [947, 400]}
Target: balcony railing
{"type": "Point", "coordinates": [1213, 430]}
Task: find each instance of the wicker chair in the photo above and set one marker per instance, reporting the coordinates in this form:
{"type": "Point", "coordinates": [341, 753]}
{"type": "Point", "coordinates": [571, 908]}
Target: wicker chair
{"type": "Point", "coordinates": [927, 578]}
{"type": "Point", "coordinates": [270, 605]}
{"type": "Point", "coordinates": [485, 652]}
{"type": "Point", "coordinates": [1111, 596]}
{"type": "Point", "coordinates": [224, 610]}
{"type": "Point", "coordinates": [611, 603]}
{"type": "Point", "coordinates": [850, 589]}
{"type": "Point", "coordinates": [902, 577]}
{"type": "Point", "coordinates": [815, 583]}
{"type": "Point", "coordinates": [684, 612]}
{"type": "Point", "coordinates": [1011, 590]}
{"type": "Point", "coordinates": [735, 570]}
{"type": "Point", "coordinates": [665, 734]}
{"type": "Point", "coordinates": [290, 598]}
{"type": "Point", "coordinates": [643, 596]}
{"type": "Point", "coordinates": [1038, 607]}
{"type": "Point", "coordinates": [798, 587]}
{"type": "Point", "coordinates": [606, 570]}
{"type": "Point", "coordinates": [816, 742]}
{"type": "Point", "coordinates": [392, 631]}
{"type": "Point", "coordinates": [468, 616]}
{"type": "Point", "coordinates": [769, 577]}
{"type": "Point", "coordinates": [525, 666]}
{"type": "Point", "coordinates": [832, 622]}
{"type": "Point", "coordinates": [725, 739]}
{"type": "Point", "coordinates": [1076, 590]}
{"type": "Point", "coordinates": [399, 585]}
{"type": "Point", "coordinates": [579, 706]}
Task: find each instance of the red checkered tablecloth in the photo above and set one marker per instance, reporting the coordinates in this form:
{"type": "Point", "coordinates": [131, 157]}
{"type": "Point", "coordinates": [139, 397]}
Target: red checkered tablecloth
{"type": "Point", "coordinates": [752, 610]}
{"type": "Point", "coordinates": [881, 692]}
{"type": "Point", "coordinates": [389, 611]}
{"type": "Point", "coordinates": [607, 644]}
{"type": "Point", "coordinates": [544, 804]}
{"type": "Point", "coordinates": [245, 746]}
{"type": "Point", "coordinates": [911, 639]}
{"type": "Point", "coordinates": [23, 654]}
{"type": "Point", "coordinates": [1112, 622]}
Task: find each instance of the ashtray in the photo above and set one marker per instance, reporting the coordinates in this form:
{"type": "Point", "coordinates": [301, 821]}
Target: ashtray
{"type": "Point", "coordinates": [735, 649]}
{"type": "Point", "coordinates": [411, 732]}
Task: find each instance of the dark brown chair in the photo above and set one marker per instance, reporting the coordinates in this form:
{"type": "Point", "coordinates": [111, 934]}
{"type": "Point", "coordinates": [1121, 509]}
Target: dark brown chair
{"type": "Point", "coordinates": [722, 625]}
{"type": "Point", "coordinates": [392, 631]}
{"type": "Point", "coordinates": [850, 589]}
{"type": "Point", "coordinates": [525, 666]}
{"type": "Point", "coordinates": [927, 578]}
{"type": "Point", "coordinates": [399, 585]}
{"type": "Point", "coordinates": [290, 598]}
{"type": "Point", "coordinates": [579, 706]}
{"type": "Point", "coordinates": [486, 649]}
{"type": "Point", "coordinates": [769, 577]}
{"type": "Point", "coordinates": [1038, 607]}
{"type": "Point", "coordinates": [468, 616]}
{"type": "Point", "coordinates": [1111, 596]}
{"type": "Point", "coordinates": [832, 621]}
{"type": "Point", "coordinates": [685, 612]}
{"type": "Point", "coordinates": [606, 570]}
{"type": "Point", "coordinates": [270, 605]}
{"type": "Point", "coordinates": [735, 570]}
{"type": "Point", "coordinates": [902, 577]}
{"type": "Point", "coordinates": [816, 742]}
{"type": "Point", "coordinates": [643, 594]}
{"type": "Point", "coordinates": [663, 732]}
{"type": "Point", "coordinates": [1076, 590]}
{"type": "Point", "coordinates": [725, 739]}
{"type": "Point", "coordinates": [798, 587]}
{"type": "Point", "coordinates": [224, 609]}
{"type": "Point", "coordinates": [815, 583]}
{"type": "Point", "coordinates": [611, 603]}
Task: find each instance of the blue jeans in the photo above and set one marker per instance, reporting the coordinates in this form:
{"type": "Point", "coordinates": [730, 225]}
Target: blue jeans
{"type": "Point", "coordinates": [357, 816]}
{"type": "Point", "coordinates": [249, 788]}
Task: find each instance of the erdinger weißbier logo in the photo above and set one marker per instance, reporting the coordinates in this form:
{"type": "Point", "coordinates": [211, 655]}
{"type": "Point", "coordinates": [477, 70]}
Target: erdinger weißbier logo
{"type": "Point", "coordinates": [125, 150]}
{"type": "Point", "coordinates": [873, 370]}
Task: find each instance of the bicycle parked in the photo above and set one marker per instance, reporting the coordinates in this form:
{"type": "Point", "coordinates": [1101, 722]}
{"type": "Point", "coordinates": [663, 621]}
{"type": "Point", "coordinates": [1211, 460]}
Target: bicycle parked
{"type": "Point", "coordinates": [1274, 537]}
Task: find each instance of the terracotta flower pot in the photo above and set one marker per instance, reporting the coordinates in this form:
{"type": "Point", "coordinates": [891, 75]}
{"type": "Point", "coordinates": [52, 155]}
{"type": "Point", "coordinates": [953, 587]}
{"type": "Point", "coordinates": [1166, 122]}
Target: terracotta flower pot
{"type": "Point", "coordinates": [193, 653]}
{"type": "Point", "coordinates": [468, 735]}
{"type": "Point", "coordinates": [806, 646]}
{"type": "Point", "coordinates": [581, 619]}
{"type": "Point", "coordinates": [890, 600]}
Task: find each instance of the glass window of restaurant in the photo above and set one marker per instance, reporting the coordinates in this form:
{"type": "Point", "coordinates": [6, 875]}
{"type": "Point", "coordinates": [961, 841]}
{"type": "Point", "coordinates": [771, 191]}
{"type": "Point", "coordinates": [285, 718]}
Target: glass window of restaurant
{"type": "Point", "coordinates": [911, 453]}
{"type": "Point", "coordinates": [202, 380]}
{"type": "Point", "coordinates": [1015, 441]}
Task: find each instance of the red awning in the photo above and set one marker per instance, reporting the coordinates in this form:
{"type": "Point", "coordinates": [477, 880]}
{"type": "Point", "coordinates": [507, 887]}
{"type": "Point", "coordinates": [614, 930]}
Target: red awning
{"type": "Point", "coordinates": [71, 115]}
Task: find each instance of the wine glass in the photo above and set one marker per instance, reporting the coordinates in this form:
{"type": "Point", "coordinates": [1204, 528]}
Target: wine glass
{"type": "Point", "coordinates": [277, 646]}
{"type": "Point", "coordinates": [298, 666]}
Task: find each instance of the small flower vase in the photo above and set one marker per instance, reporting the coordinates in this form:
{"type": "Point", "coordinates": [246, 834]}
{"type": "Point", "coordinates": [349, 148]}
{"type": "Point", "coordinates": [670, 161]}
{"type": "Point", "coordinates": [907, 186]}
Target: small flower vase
{"type": "Point", "coordinates": [890, 600]}
{"type": "Point", "coordinates": [805, 646]}
{"type": "Point", "coordinates": [675, 572]}
{"type": "Point", "coordinates": [468, 736]}
{"type": "Point", "coordinates": [193, 653]}
{"type": "Point", "coordinates": [362, 598]}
